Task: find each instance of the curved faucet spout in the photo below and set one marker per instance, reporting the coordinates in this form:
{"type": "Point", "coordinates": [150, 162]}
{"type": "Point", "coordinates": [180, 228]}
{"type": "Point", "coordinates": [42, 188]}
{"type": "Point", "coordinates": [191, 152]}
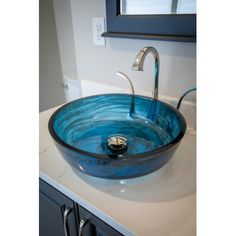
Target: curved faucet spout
{"type": "Point", "coordinates": [139, 61]}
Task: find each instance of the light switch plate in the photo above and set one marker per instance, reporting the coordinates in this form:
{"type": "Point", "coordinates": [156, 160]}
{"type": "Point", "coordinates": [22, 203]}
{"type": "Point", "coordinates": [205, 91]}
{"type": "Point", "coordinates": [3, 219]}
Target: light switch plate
{"type": "Point", "coordinates": [98, 29]}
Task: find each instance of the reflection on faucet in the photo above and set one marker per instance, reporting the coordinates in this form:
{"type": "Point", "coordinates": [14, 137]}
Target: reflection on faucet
{"type": "Point", "coordinates": [139, 61]}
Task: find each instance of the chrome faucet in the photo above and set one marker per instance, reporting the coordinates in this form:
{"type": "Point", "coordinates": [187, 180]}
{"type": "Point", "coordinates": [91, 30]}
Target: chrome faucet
{"type": "Point", "coordinates": [139, 61]}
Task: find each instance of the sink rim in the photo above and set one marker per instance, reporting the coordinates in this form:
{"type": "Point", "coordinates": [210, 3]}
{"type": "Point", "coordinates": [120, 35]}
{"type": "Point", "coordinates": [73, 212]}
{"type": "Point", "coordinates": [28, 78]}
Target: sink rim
{"type": "Point", "coordinates": [103, 156]}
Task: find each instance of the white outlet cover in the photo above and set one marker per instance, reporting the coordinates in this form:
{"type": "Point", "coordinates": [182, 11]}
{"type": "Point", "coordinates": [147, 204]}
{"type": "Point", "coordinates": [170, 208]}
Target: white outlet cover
{"type": "Point", "coordinates": [98, 29]}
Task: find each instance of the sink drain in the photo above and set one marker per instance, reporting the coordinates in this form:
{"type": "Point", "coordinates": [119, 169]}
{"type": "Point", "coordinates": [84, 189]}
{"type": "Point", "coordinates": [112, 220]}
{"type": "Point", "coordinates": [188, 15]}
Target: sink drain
{"type": "Point", "coordinates": [117, 143]}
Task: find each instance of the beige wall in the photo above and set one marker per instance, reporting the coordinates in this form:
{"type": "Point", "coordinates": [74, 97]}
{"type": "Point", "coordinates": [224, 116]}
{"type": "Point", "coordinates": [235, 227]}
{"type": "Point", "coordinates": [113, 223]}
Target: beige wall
{"type": "Point", "coordinates": [178, 59]}
{"type": "Point", "coordinates": [62, 11]}
{"type": "Point", "coordinates": [50, 73]}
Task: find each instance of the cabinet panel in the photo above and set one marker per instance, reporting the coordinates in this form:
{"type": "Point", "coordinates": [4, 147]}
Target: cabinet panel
{"type": "Point", "coordinates": [50, 220]}
{"type": "Point", "coordinates": [52, 205]}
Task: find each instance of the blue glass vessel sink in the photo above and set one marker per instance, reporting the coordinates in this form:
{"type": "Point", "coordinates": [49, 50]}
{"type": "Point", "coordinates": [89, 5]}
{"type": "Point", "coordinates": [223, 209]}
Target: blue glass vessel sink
{"type": "Point", "coordinates": [102, 137]}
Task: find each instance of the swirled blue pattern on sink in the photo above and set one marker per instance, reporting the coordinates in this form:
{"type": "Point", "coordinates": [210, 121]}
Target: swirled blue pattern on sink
{"type": "Point", "coordinates": [81, 130]}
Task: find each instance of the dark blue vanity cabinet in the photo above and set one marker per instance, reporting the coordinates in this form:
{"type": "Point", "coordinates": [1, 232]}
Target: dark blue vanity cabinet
{"type": "Point", "coordinates": [60, 216]}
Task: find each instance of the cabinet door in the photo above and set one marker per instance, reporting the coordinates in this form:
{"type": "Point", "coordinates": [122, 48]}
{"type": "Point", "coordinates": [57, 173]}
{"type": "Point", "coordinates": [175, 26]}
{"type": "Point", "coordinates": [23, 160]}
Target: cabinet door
{"type": "Point", "coordinates": [94, 226]}
{"type": "Point", "coordinates": [53, 205]}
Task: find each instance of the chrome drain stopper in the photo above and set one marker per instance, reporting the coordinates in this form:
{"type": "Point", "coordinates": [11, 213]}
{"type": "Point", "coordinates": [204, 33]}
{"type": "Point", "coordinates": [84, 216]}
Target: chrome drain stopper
{"type": "Point", "coordinates": [117, 143]}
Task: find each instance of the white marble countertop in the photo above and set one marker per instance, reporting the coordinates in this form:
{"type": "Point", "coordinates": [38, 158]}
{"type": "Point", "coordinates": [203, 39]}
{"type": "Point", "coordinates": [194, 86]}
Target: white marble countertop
{"type": "Point", "coordinates": [159, 204]}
